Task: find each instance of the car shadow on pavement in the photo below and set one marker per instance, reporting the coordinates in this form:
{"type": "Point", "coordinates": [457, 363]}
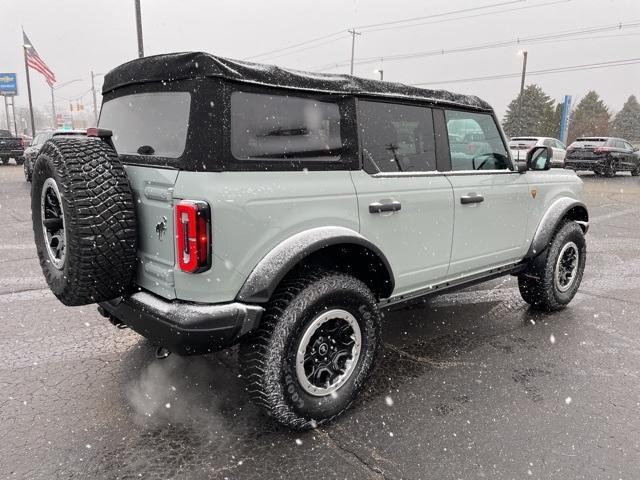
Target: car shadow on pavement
{"type": "Point", "coordinates": [190, 410]}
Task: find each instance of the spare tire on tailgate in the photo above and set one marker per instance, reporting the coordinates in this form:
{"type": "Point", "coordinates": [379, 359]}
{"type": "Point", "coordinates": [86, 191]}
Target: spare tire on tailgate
{"type": "Point", "coordinates": [83, 215]}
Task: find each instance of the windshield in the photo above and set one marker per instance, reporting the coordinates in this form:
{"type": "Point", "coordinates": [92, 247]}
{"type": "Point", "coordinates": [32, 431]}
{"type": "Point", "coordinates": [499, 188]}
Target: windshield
{"type": "Point", "coordinates": [153, 123]}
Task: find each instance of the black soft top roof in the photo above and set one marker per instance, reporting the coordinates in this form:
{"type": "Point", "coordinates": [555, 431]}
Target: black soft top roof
{"type": "Point", "coordinates": [186, 65]}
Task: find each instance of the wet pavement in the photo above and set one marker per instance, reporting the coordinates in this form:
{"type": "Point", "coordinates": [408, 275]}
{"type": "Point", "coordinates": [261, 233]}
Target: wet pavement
{"type": "Point", "coordinates": [471, 385]}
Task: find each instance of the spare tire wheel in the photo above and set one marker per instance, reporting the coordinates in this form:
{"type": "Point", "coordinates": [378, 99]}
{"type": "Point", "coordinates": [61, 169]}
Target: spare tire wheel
{"type": "Point", "coordinates": [83, 215]}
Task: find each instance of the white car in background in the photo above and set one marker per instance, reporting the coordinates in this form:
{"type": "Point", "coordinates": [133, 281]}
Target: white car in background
{"type": "Point", "coordinates": [519, 146]}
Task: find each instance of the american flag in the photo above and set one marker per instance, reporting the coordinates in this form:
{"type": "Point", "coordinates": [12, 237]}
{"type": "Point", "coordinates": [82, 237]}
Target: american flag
{"type": "Point", "coordinates": [35, 62]}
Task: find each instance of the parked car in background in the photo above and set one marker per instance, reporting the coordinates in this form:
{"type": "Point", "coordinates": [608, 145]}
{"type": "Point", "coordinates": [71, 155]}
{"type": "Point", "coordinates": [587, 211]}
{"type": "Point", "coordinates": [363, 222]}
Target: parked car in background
{"type": "Point", "coordinates": [603, 156]}
{"type": "Point", "coordinates": [11, 147]}
{"type": "Point", "coordinates": [32, 151]}
{"type": "Point", "coordinates": [519, 146]}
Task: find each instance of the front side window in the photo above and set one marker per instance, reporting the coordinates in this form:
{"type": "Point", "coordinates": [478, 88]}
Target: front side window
{"type": "Point", "coordinates": [148, 124]}
{"type": "Point", "coordinates": [397, 138]}
{"type": "Point", "coordinates": [281, 127]}
{"type": "Point", "coordinates": [475, 142]}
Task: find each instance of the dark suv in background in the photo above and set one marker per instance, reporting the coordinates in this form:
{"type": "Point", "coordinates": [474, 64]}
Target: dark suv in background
{"type": "Point", "coordinates": [11, 147]}
{"type": "Point", "coordinates": [603, 155]}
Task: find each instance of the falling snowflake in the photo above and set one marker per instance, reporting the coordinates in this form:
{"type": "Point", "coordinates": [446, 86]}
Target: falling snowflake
{"type": "Point", "coordinates": [167, 405]}
{"type": "Point", "coordinates": [568, 400]}
{"type": "Point", "coordinates": [388, 400]}
{"type": "Point", "coordinates": [298, 441]}
{"type": "Point", "coordinates": [552, 338]}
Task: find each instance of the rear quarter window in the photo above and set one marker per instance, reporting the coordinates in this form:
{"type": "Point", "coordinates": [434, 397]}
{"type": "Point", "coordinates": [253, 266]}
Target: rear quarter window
{"type": "Point", "coordinates": [282, 127]}
{"type": "Point", "coordinates": [148, 124]}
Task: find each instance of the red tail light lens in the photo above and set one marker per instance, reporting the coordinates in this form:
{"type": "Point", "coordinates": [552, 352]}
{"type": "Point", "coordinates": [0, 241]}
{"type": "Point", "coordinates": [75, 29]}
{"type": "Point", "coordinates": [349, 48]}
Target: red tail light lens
{"type": "Point", "coordinates": [193, 235]}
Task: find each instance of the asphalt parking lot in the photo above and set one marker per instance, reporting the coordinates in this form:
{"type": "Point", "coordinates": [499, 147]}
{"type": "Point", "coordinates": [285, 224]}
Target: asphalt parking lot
{"type": "Point", "coordinates": [472, 384]}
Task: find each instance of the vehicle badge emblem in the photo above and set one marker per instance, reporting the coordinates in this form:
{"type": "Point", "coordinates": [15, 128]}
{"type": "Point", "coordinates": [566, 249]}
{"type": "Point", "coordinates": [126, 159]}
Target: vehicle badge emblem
{"type": "Point", "coordinates": [534, 192]}
{"type": "Point", "coordinates": [161, 228]}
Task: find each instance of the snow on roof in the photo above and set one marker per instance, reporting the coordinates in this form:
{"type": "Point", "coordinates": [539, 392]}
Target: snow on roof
{"type": "Point", "coordinates": [188, 65]}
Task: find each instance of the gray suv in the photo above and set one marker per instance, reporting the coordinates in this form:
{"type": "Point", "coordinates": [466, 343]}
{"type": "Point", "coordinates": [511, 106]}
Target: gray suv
{"type": "Point", "coordinates": [223, 202]}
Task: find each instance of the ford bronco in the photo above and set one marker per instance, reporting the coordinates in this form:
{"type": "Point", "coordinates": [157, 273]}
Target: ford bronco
{"type": "Point", "coordinates": [222, 202]}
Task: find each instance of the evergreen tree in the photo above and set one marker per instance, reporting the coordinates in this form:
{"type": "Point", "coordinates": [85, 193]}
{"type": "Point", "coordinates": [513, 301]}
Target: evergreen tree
{"type": "Point", "coordinates": [590, 118]}
{"type": "Point", "coordinates": [626, 123]}
{"type": "Point", "coordinates": [536, 117]}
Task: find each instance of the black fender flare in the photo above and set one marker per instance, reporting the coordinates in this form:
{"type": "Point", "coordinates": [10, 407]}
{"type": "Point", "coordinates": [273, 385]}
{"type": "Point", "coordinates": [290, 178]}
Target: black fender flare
{"type": "Point", "coordinates": [550, 221]}
{"type": "Point", "coordinates": [267, 274]}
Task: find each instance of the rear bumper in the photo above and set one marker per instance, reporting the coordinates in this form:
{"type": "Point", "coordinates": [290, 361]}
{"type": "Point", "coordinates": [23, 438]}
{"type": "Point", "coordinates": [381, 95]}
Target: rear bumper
{"type": "Point", "coordinates": [184, 328]}
{"type": "Point", "coordinates": [11, 153]}
{"type": "Point", "coordinates": [575, 164]}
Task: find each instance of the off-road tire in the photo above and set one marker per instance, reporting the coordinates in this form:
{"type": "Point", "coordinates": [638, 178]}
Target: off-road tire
{"type": "Point", "coordinates": [537, 284]}
{"type": "Point", "coordinates": [99, 220]}
{"type": "Point", "coordinates": [267, 357]}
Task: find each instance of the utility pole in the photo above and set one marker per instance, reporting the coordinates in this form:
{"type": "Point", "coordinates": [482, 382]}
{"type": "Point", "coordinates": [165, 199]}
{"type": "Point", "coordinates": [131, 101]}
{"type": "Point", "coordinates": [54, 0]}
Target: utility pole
{"type": "Point", "coordinates": [139, 29]}
{"type": "Point", "coordinates": [381, 72]}
{"type": "Point", "coordinates": [95, 104]}
{"type": "Point", "coordinates": [353, 46]}
{"type": "Point", "coordinates": [6, 111]}
{"type": "Point", "coordinates": [13, 111]}
{"type": "Point", "coordinates": [524, 73]}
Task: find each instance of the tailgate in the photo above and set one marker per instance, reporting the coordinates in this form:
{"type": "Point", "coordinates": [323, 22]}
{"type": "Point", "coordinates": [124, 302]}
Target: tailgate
{"type": "Point", "coordinates": [583, 154]}
{"type": "Point", "coordinates": [153, 192]}
{"type": "Point", "coordinates": [10, 144]}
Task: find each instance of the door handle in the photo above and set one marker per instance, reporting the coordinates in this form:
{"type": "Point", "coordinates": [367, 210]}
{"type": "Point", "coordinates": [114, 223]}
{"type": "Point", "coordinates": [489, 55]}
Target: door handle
{"type": "Point", "coordinates": [385, 206]}
{"type": "Point", "coordinates": [471, 198]}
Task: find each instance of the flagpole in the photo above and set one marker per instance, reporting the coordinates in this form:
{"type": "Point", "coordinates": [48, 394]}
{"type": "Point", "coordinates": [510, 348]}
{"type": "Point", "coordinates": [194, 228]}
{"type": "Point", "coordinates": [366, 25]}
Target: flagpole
{"type": "Point", "coordinates": [26, 68]}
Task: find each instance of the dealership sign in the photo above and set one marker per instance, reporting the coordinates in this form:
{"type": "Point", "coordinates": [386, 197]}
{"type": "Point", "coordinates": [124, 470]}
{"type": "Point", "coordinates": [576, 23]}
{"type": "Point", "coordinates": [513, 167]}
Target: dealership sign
{"type": "Point", "coordinates": [8, 84]}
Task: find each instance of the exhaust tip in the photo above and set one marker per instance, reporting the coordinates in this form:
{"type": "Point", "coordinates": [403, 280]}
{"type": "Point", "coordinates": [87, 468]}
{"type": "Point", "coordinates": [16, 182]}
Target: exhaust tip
{"type": "Point", "coordinates": [162, 353]}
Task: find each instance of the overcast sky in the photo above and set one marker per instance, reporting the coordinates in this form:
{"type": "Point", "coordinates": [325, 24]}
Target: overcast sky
{"type": "Point", "coordinates": [77, 36]}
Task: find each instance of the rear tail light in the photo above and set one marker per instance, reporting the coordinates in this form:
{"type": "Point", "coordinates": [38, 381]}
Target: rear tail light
{"type": "Point", "coordinates": [99, 132]}
{"type": "Point", "coordinates": [193, 234]}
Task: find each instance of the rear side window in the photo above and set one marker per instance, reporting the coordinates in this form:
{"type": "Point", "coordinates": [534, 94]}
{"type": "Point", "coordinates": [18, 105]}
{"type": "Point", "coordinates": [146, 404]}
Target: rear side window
{"type": "Point", "coordinates": [274, 127]}
{"type": "Point", "coordinates": [397, 138]}
{"type": "Point", "coordinates": [588, 143]}
{"type": "Point", "coordinates": [475, 142]}
{"type": "Point", "coordinates": [148, 124]}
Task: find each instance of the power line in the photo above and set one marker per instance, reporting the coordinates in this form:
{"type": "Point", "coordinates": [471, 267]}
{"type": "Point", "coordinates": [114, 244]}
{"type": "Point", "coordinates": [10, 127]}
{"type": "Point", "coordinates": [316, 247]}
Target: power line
{"type": "Point", "coordinates": [310, 47]}
{"type": "Point", "coordinates": [306, 42]}
{"type": "Point", "coordinates": [373, 27]}
{"type": "Point", "coordinates": [435, 15]}
{"type": "Point", "coordinates": [485, 46]}
{"type": "Point", "coordinates": [467, 16]}
{"type": "Point", "coordinates": [548, 71]}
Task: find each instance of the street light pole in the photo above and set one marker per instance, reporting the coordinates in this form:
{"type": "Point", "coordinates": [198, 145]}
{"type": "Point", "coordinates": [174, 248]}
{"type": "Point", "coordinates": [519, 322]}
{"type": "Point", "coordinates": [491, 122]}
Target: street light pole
{"type": "Point", "coordinates": [381, 72]}
{"type": "Point", "coordinates": [53, 100]}
{"type": "Point", "coordinates": [524, 73]}
{"type": "Point", "coordinates": [139, 29]}
{"type": "Point", "coordinates": [53, 109]}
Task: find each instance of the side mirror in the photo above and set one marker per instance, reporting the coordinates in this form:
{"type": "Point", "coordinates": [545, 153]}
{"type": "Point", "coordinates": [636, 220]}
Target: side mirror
{"type": "Point", "coordinates": [539, 158]}
{"type": "Point", "coordinates": [635, 149]}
